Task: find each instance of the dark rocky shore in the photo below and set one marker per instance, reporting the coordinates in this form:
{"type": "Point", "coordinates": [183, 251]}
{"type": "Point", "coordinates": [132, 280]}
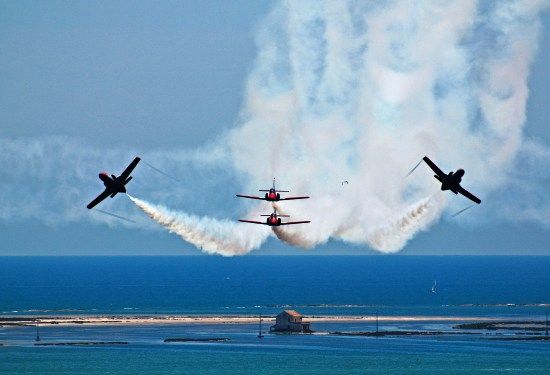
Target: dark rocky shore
{"type": "Point", "coordinates": [395, 333]}
{"type": "Point", "coordinates": [184, 339]}
{"type": "Point", "coordinates": [81, 343]}
{"type": "Point", "coordinates": [510, 325]}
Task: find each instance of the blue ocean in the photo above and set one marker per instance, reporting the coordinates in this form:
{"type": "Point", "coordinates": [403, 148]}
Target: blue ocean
{"type": "Point", "coordinates": [507, 288]}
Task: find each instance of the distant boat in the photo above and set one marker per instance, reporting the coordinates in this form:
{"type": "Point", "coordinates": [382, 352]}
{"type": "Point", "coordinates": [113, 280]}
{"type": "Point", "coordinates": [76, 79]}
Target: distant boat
{"type": "Point", "coordinates": [260, 328]}
{"type": "Point", "coordinates": [433, 287]}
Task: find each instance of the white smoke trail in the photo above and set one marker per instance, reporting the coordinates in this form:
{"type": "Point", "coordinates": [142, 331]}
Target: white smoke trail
{"type": "Point", "coordinates": [348, 90]}
{"type": "Point", "coordinates": [210, 235]}
{"type": "Point", "coordinates": [292, 235]}
{"type": "Point", "coordinates": [390, 238]}
{"type": "Point", "coordinates": [387, 237]}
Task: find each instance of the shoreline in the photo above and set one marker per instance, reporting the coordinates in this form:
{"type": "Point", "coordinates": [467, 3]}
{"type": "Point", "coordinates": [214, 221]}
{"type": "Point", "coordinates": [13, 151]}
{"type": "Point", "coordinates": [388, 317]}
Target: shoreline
{"type": "Point", "coordinates": [150, 320]}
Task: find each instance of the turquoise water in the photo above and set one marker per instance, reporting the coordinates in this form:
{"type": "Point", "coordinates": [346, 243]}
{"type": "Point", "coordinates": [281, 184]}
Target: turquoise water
{"type": "Point", "coordinates": [277, 354]}
{"type": "Point", "coordinates": [467, 287]}
{"type": "Point", "coordinates": [151, 360]}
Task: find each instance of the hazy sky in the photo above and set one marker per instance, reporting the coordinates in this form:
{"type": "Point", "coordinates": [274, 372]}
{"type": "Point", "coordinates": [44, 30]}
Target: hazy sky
{"type": "Point", "coordinates": [166, 76]}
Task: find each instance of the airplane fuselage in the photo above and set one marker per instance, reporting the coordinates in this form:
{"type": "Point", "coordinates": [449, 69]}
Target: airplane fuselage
{"type": "Point", "coordinates": [451, 181]}
{"type": "Point", "coordinates": [273, 221]}
{"type": "Point", "coordinates": [112, 183]}
{"type": "Point", "coordinates": [272, 196]}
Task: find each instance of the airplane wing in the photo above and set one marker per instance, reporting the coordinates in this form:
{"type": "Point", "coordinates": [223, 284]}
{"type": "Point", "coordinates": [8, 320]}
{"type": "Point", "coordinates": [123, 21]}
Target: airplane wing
{"type": "Point", "coordinates": [296, 222]}
{"type": "Point", "coordinates": [292, 198]}
{"type": "Point", "coordinates": [98, 199]}
{"type": "Point", "coordinates": [129, 169]}
{"type": "Point", "coordinates": [250, 197]}
{"type": "Point", "coordinates": [251, 221]}
{"type": "Point", "coordinates": [468, 195]}
{"type": "Point", "coordinates": [434, 167]}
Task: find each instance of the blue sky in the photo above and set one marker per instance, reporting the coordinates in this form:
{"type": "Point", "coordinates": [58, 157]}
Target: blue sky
{"type": "Point", "coordinates": [165, 76]}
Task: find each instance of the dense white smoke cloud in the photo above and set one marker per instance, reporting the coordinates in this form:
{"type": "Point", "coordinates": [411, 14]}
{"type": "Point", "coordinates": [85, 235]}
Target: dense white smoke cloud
{"type": "Point", "coordinates": [360, 91]}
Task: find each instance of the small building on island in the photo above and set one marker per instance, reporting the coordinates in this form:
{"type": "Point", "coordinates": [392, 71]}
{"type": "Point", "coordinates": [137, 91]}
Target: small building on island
{"type": "Point", "coordinates": [290, 321]}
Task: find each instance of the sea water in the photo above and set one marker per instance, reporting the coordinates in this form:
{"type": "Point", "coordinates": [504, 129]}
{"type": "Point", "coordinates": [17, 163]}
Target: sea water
{"type": "Point", "coordinates": [501, 287]}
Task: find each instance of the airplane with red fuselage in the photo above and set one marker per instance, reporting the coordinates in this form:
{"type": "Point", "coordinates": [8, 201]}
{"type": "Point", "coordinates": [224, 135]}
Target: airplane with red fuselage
{"type": "Point", "coordinates": [271, 195]}
{"type": "Point", "coordinates": [114, 184]}
{"type": "Point", "coordinates": [274, 220]}
{"type": "Point", "coordinates": [451, 181]}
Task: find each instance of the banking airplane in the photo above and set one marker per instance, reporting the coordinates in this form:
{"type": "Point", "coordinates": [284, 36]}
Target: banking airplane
{"type": "Point", "coordinates": [114, 184]}
{"type": "Point", "coordinates": [451, 181]}
{"type": "Point", "coordinates": [272, 195]}
{"type": "Point", "coordinates": [274, 220]}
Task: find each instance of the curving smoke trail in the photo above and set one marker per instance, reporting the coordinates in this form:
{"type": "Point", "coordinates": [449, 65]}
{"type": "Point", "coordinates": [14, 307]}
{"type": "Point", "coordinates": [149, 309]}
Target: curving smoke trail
{"type": "Point", "coordinates": [293, 235]}
{"type": "Point", "coordinates": [391, 237]}
{"type": "Point", "coordinates": [387, 237]}
{"type": "Point", "coordinates": [210, 235]}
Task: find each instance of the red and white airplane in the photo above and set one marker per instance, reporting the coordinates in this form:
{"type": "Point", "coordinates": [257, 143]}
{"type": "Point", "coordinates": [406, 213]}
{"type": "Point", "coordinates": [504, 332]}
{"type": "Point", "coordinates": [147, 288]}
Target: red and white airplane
{"type": "Point", "coordinates": [274, 220]}
{"type": "Point", "coordinates": [272, 195]}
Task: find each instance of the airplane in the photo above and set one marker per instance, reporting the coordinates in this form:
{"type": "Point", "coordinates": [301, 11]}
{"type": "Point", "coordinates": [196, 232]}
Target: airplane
{"type": "Point", "coordinates": [274, 220]}
{"type": "Point", "coordinates": [451, 181]}
{"type": "Point", "coordinates": [272, 195]}
{"type": "Point", "coordinates": [114, 184]}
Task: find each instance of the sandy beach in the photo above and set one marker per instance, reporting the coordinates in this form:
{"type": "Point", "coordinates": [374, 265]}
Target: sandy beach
{"type": "Point", "coordinates": [98, 320]}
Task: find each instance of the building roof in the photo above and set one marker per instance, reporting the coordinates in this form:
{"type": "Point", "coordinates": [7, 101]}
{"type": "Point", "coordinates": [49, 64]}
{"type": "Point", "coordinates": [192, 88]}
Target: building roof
{"type": "Point", "coordinates": [293, 313]}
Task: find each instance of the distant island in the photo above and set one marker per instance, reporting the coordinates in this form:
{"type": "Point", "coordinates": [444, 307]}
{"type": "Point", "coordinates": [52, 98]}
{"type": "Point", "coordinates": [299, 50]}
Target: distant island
{"type": "Point", "coordinates": [392, 333]}
{"type": "Point", "coordinates": [116, 320]}
{"type": "Point", "coordinates": [515, 325]}
{"type": "Point", "coordinates": [81, 343]}
{"type": "Point", "coordinates": [184, 339]}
